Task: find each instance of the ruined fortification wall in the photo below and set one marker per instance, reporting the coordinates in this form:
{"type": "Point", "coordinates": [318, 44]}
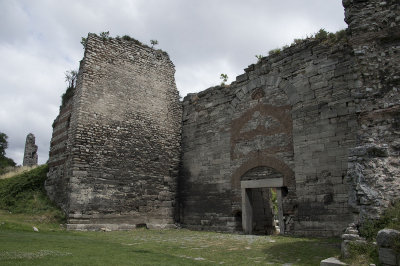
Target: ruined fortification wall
{"type": "Point", "coordinates": [293, 114]}
{"type": "Point", "coordinates": [123, 139]}
{"type": "Point", "coordinates": [318, 123]}
{"type": "Point", "coordinates": [374, 168]}
{"type": "Point", "coordinates": [323, 116]}
{"type": "Point", "coordinates": [57, 182]}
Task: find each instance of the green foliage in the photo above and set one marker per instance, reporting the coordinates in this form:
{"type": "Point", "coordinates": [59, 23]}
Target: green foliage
{"type": "Point", "coordinates": [130, 39]}
{"type": "Point", "coordinates": [389, 219]}
{"type": "Point", "coordinates": [366, 253]}
{"type": "Point", "coordinates": [322, 34]}
{"type": "Point", "coordinates": [69, 93]}
{"type": "Point", "coordinates": [275, 51]}
{"type": "Point", "coordinates": [105, 35]}
{"type": "Point", "coordinates": [153, 43]}
{"type": "Point", "coordinates": [3, 143]}
{"type": "Point", "coordinates": [83, 42]}
{"type": "Point", "coordinates": [298, 41]}
{"type": "Point", "coordinates": [127, 38]}
{"type": "Point", "coordinates": [363, 253]}
{"type": "Point", "coordinates": [259, 57]}
{"type": "Point", "coordinates": [6, 165]}
{"type": "Point", "coordinates": [224, 78]}
{"type": "Point", "coordinates": [5, 162]}
{"type": "Point", "coordinates": [274, 200]}
{"type": "Point", "coordinates": [25, 193]}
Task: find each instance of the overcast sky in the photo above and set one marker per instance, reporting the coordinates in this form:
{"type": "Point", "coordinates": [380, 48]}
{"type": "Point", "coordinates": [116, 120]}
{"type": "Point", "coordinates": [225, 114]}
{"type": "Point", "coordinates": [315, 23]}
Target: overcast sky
{"type": "Point", "coordinates": [40, 40]}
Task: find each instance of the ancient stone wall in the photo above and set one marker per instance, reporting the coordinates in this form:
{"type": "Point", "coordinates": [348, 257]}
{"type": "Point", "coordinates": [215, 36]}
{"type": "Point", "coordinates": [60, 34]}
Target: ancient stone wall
{"type": "Point", "coordinates": [57, 182]}
{"type": "Point", "coordinates": [121, 160]}
{"type": "Point", "coordinates": [324, 116]}
{"type": "Point", "coordinates": [292, 113]}
{"type": "Point", "coordinates": [30, 153]}
{"type": "Point", "coordinates": [318, 123]}
{"type": "Point", "coordinates": [374, 168]}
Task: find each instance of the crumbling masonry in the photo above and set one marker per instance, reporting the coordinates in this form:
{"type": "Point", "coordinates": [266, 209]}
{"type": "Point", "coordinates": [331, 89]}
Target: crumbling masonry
{"type": "Point", "coordinates": [318, 123]}
{"type": "Point", "coordinates": [30, 153]}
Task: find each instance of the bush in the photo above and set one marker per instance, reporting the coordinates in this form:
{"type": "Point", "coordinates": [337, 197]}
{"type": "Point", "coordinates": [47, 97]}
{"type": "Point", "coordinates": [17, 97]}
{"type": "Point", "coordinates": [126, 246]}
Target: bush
{"type": "Point", "coordinates": [69, 93]}
{"type": "Point", "coordinates": [322, 34]}
{"type": "Point", "coordinates": [275, 51]}
{"type": "Point", "coordinates": [6, 164]}
{"type": "Point", "coordinates": [363, 253]}
{"type": "Point", "coordinates": [389, 219]}
{"type": "Point", "coordinates": [25, 193]}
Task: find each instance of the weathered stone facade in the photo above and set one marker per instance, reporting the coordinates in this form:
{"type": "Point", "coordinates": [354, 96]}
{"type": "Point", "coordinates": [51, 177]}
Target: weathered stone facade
{"type": "Point", "coordinates": [323, 116]}
{"type": "Point", "coordinates": [374, 163]}
{"type": "Point", "coordinates": [30, 153]}
{"type": "Point", "coordinates": [317, 124]}
{"type": "Point", "coordinates": [115, 149]}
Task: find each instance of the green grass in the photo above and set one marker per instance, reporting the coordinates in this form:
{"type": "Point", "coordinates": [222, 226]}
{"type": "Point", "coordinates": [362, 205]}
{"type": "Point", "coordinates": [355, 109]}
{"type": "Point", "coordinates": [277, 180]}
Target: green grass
{"type": "Point", "coordinates": [24, 205]}
{"type": "Point", "coordinates": [52, 245]}
{"type": "Point", "coordinates": [25, 194]}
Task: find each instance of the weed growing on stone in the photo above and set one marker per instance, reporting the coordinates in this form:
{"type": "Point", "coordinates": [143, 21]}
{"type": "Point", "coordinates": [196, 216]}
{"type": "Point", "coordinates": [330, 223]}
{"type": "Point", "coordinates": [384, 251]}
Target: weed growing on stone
{"type": "Point", "coordinates": [389, 219]}
{"type": "Point", "coordinates": [275, 51]}
{"type": "Point", "coordinates": [363, 254]}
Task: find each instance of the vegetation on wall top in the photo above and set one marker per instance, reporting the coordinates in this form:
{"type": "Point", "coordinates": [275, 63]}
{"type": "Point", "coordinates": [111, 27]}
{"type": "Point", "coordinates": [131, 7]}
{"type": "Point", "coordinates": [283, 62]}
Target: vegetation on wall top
{"type": "Point", "coordinates": [322, 36]}
{"type": "Point", "coordinates": [71, 76]}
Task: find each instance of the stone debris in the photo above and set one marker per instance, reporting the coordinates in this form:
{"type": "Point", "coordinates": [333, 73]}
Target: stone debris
{"type": "Point", "coordinates": [351, 235]}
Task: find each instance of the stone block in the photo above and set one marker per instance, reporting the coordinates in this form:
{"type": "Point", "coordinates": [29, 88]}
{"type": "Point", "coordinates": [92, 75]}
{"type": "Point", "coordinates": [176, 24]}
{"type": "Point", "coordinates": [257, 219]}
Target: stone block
{"type": "Point", "coordinates": [331, 262]}
{"type": "Point", "coordinates": [388, 256]}
{"type": "Point", "coordinates": [387, 237]}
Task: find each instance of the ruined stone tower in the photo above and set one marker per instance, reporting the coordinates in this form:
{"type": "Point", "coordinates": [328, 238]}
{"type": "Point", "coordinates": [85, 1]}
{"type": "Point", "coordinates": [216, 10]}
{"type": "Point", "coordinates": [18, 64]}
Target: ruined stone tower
{"type": "Point", "coordinates": [115, 148]}
{"type": "Point", "coordinates": [317, 125]}
{"type": "Point", "coordinates": [30, 154]}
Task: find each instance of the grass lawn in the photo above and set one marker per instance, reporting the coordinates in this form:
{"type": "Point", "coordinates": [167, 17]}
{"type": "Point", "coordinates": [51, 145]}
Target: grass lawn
{"type": "Point", "coordinates": [52, 245]}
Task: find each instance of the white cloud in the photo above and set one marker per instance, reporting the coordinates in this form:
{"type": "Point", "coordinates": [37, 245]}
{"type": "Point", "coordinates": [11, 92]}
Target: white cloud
{"type": "Point", "coordinates": [40, 40]}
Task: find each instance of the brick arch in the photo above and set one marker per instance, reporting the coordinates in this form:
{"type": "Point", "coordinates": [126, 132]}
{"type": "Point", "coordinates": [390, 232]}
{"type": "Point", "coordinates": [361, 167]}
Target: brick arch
{"type": "Point", "coordinates": [263, 160]}
{"type": "Point", "coordinates": [281, 114]}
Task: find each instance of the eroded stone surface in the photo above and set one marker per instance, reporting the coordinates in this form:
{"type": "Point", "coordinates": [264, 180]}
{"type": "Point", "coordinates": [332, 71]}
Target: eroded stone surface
{"type": "Point", "coordinates": [115, 149]}
{"type": "Point", "coordinates": [30, 154]}
{"type": "Point", "coordinates": [323, 117]}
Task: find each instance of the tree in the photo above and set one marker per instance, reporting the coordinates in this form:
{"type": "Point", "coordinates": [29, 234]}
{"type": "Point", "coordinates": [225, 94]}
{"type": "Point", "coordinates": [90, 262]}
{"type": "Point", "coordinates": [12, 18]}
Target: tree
{"type": "Point", "coordinates": [3, 144]}
{"type": "Point", "coordinates": [71, 77]}
{"type": "Point", "coordinates": [4, 161]}
{"type": "Point", "coordinates": [224, 78]}
{"type": "Point", "coordinates": [153, 43]}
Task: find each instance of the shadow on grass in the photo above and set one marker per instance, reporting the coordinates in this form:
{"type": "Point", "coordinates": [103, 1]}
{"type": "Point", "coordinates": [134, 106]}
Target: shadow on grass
{"type": "Point", "coordinates": [300, 251]}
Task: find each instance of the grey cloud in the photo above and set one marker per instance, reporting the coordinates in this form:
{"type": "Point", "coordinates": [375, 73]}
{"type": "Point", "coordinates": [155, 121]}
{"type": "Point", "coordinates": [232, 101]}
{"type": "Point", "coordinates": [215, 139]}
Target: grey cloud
{"type": "Point", "coordinates": [41, 40]}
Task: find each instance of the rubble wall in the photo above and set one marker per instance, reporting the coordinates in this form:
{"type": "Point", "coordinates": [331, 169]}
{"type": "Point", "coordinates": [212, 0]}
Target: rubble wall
{"type": "Point", "coordinates": [374, 168]}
